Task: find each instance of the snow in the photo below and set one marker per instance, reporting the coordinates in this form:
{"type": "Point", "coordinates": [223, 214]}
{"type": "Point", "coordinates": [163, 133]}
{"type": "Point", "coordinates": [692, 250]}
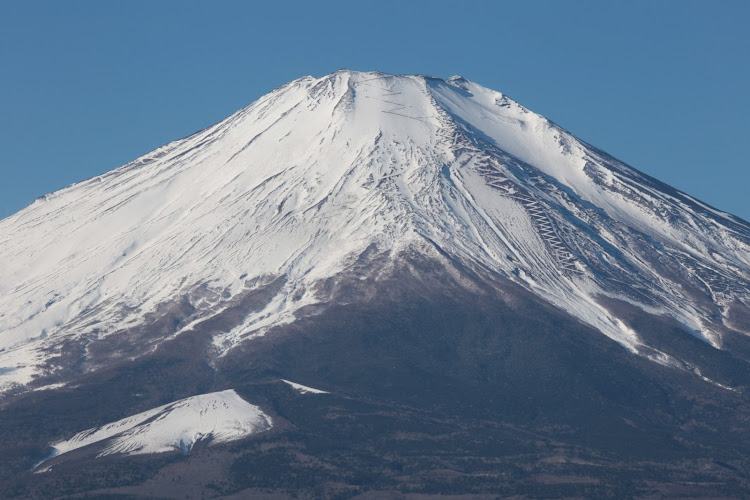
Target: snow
{"type": "Point", "coordinates": [219, 417]}
{"type": "Point", "coordinates": [302, 181]}
{"type": "Point", "coordinates": [303, 389]}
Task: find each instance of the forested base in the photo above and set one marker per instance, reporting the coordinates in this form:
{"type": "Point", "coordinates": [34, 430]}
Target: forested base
{"type": "Point", "coordinates": [335, 447]}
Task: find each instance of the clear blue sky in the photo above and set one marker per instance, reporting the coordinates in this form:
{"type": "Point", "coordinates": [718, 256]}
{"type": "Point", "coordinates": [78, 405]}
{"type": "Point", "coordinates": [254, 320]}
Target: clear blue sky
{"type": "Point", "coordinates": [88, 85]}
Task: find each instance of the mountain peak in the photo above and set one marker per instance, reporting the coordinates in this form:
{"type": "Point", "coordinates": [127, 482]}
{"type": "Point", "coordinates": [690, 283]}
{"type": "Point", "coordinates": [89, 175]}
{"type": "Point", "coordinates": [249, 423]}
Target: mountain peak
{"type": "Point", "coordinates": [293, 189]}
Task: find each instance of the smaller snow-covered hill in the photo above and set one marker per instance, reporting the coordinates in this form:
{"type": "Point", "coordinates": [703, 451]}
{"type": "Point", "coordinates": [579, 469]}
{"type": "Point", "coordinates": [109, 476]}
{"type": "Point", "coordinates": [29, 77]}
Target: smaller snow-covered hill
{"type": "Point", "coordinates": [219, 416]}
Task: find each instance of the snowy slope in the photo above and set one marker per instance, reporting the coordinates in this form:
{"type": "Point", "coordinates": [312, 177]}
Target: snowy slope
{"type": "Point", "coordinates": [292, 189]}
{"type": "Point", "coordinates": [303, 389]}
{"type": "Point", "coordinates": [219, 417]}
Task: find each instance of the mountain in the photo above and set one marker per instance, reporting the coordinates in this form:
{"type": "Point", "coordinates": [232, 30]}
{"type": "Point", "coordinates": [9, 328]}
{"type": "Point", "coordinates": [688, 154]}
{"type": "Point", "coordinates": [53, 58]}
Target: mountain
{"type": "Point", "coordinates": [220, 417]}
{"type": "Point", "coordinates": [467, 298]}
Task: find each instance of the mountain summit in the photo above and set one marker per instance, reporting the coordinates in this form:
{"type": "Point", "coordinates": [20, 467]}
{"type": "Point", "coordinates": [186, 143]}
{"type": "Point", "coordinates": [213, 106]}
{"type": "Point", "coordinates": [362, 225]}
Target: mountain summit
{"type": "Point", "coordinates": [301, 183]}
{"type": "Point", "coordinates": [396, 198]}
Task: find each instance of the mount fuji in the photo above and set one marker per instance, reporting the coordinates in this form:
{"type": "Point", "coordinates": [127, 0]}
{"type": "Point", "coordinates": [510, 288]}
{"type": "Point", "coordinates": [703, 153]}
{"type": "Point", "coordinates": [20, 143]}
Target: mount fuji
{"type": "Point", "coordinates": [375, 285]}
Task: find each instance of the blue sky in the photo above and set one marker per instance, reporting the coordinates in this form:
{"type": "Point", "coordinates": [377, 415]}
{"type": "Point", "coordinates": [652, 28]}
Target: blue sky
{"type": "Point", "coordinates": [88, 85]}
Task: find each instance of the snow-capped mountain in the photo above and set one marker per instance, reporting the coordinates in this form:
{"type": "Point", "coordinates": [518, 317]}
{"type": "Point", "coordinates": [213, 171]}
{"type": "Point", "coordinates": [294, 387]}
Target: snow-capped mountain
{"type": "Point", "coordinates": [219, 417]}
{"type": "Point", "coordinates": [424, 286]}
{"type": "Point", "coordinates": [293, 189]}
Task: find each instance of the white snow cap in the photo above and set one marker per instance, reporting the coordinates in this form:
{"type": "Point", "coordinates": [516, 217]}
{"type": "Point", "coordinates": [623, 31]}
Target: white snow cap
{"type": "Point", "coordinates": [303, 180]}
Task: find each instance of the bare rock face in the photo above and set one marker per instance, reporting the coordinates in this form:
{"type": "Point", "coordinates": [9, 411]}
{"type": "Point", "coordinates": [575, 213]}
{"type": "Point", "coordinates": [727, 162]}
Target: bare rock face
{"type": "Point", "coordinates": [424, 286]}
